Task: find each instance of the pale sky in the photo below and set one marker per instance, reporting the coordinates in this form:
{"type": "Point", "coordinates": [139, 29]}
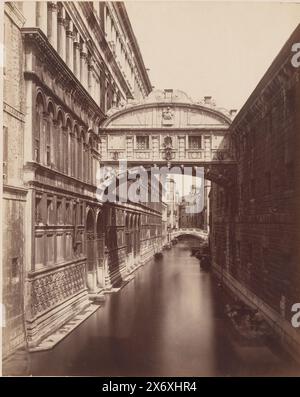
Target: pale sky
{"type": "Point", "coordinates": [220, 49]}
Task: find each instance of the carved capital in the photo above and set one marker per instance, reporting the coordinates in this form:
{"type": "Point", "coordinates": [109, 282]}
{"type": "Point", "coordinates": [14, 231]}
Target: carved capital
{"type": "Point", "coordinates": [52, 6]}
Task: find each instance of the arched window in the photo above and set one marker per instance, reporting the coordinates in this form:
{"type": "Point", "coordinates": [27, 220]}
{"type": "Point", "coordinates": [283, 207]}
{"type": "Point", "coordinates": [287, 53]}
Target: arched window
{"type": "Point", "coordinates": [60, 140]}
{"type": "Point", "coordinates": [80, 155]}
{"type": "Point", "coordinates": [66, 135]}
{"type": "Point", "coordinates": [69, 147]}
{"type": "Point", "coordinates": [39, 123]}
{"type": "Point", "coordinates": [76, 152]}
{"type": "Point", "coordinates": [85, 162]}
{"type": "Point", "coordinates": [90, 161]}
{"type": "Point", "coordinates": [50, 136]}
{"type": "Point", "coordinates": [73, 155]}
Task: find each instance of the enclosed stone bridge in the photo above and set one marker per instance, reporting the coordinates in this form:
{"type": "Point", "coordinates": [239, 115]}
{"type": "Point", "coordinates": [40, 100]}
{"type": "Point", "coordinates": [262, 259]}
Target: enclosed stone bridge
{"type": "Point", "coordinates": [168, 128]}
{"type": "Point", "coordinates": [202, 234]}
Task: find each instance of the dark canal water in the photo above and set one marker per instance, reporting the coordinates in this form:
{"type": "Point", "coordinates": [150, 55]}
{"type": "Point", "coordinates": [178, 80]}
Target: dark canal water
{"type": "Point", "coordinates": [168, 321]}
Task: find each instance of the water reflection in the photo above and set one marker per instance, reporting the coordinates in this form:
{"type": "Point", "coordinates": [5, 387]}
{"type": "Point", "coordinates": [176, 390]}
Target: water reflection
{"type": "Point", "coordinates": [168, 321]}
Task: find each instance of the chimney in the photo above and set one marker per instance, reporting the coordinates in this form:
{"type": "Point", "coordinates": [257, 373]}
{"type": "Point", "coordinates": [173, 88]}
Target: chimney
{"type": "Point", "coordinates": [207, 100]}
{"type": "Point", "coordinates": [232, 112]}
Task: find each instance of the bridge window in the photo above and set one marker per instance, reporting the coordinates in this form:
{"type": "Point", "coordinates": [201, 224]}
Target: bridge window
{"type": "Point", "coordinates": [142, 142]}
{"type": "Point", "coordinates": [195, 142]}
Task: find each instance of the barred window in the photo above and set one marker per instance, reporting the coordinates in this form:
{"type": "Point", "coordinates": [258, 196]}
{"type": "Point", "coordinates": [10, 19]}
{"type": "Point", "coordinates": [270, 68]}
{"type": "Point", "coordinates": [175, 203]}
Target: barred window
{"type": "Point", "coordinates": [194, 142]}
{"type": "Point", "coordinates": [142, 142]}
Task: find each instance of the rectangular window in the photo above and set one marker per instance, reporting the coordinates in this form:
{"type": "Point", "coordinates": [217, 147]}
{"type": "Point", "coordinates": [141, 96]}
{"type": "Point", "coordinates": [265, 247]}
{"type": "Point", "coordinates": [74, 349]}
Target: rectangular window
{"type": "Point", "coordinates": [37, 150]}
{"type": "Point", "coordinates": [65, 137]}
{"type": "Point", "coordinates": [48, 155]}
{"type": "Point", "coordinates": [68, 245]}
{"type": "Point", "coordinates": [14, 268]}
{"type": "Point", "coordinates": [50, 211]}
{"type": "Point", "coordinates": [60, 247]}
{"type": "Point", "coordinates": [39, 251]}
{"type": "Point", "coordinates": [50, 249]}
{"type": "Point", "coordinates": [38, 210]}
{"type": "Point", "coordinates": [73, 157]}
{"type": "Point", "coordinates": [81, 221]}
{"type": "Point", "coordinates": [5, 153]}
{"type": "Point", "coordinates": [68, 213]}
{"type": "Point", "coordinates": [59, 213]}
{"type": "Point", "coordinates": [142, 142]}
{"type": "Point", "coordinates": [195, 142]}
{"type": "Point", "coordinates": [48, 147]}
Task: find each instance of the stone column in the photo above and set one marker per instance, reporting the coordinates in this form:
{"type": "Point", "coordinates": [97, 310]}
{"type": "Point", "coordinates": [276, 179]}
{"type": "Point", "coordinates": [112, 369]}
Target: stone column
{"type": "Point", "coordinates": [77, 56]}
{"type": "Point", "coordinates": [90, 77]}
{"type": "Point", "coordinates": [29, 12]}
{"type": "Point", "coordinates": [69, 47]}
{"type": "Point", "coordinates": [61, 34]}
{"type": "Point", "coordinates": [52, 23]}
{"type": "Point", "coordinates": [41, 15]}
{"type": "Point", "coordinates": [83, 65]}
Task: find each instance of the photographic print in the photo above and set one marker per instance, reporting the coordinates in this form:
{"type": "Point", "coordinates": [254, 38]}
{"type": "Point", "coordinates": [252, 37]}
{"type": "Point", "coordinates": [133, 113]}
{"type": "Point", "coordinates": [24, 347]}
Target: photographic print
{"type": "Point", "coordinates": [150, 199]}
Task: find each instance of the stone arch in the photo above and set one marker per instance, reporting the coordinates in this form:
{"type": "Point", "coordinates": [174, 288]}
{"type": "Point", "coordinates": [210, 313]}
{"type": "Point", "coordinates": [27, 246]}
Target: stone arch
{"type": "Point", "coordinates": [90, 248]}
{"type": "Point", "coordinates": [100, 245]}
{"type": "Point", "coordinates": [51, 108]}
{"type": "Point", "coordinates": [76, 129]}
{"type": "Point", "coordinates": [39, 138]}
{"type": "Point", "coordinates": [40, 99]}
{"type": "Point", "coordinates": [68, 123]}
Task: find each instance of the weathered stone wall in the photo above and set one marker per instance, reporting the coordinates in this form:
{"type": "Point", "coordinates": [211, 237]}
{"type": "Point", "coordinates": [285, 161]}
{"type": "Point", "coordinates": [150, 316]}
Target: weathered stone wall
{"type": "Point", "coordinates": [255, 230]}
{"type": "Point", "coordinates": [14, 196]}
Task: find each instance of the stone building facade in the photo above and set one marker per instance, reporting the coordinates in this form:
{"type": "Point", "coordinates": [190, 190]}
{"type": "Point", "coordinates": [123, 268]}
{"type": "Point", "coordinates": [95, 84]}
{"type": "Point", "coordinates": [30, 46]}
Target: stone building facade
{"type": "Point", "coordinates": [66, 65]}
{"type": "Point", "coordinates": [14, 192]}
{"type": "Point", "coordinates": [255, 222]}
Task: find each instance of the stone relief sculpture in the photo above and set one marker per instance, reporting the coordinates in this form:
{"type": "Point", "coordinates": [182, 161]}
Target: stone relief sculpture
{"type": "Point", "coordinates": [167, 116]}
{"type": "Point", "coordinates": [168, 146]}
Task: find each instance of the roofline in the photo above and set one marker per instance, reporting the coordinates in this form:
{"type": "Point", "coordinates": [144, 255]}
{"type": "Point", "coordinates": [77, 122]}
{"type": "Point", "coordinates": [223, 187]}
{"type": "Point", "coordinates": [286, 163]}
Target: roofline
{"type": "Point", "coordinates": [120, 6]}
{"type": "Point", "coordinates": [211, 111]}
{"type": "Point", "coordinates": [277, 63]}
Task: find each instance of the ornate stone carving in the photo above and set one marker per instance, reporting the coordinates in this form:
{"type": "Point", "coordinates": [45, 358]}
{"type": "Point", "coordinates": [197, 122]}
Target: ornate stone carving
{"type": "Point", "coordinates": [53, 287]}
{"type": "Point", "coordinates": [168, 147]}
{"type": "Point", "coordinates": [167, 116]}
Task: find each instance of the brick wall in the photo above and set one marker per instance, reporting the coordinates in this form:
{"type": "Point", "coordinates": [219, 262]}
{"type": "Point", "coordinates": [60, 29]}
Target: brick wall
{"type": "Point", "coordinates": [255, 230]}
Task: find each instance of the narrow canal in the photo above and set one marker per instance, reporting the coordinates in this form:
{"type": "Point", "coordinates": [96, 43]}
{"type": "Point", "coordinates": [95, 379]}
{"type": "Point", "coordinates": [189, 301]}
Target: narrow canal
{"type": "Point", "coordinates": [167, 321]}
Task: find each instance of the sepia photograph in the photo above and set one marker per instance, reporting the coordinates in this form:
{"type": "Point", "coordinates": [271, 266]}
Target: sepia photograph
{"type": "Point", "coordinates": [150, 204]}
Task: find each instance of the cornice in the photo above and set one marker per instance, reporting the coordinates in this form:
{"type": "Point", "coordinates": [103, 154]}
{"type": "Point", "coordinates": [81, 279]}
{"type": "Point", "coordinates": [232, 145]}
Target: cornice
{"type": "Point", "coordinates": [15, 14]}
{"type": "Point", "coordinates": [278, 76]}
{"type": "Point", "coordinates": [59, 69]}
{"type": "Point", "coordinates": [121, 9]}
{"type": "Point", "coordinates": [207, 110]}
{"type": "Point", "coordinates": [105, 58]}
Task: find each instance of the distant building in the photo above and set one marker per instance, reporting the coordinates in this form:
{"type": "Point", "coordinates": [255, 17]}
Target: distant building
{"type": "Point", "coordinates": [189, 216]}
{"type": "Point", "coordinates": [171, 200]}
